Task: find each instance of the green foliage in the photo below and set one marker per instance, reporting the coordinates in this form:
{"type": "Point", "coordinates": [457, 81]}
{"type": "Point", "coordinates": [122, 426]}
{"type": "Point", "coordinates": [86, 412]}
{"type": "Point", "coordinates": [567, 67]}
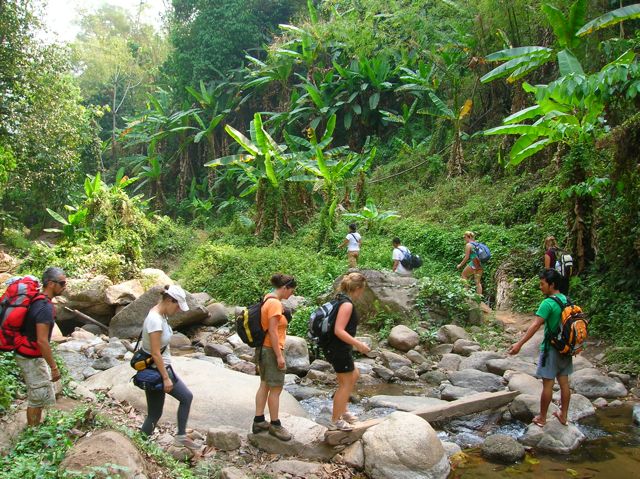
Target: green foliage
{"type": "Point", "coordinates": [383, 323]}
{"type": "Point", "coordinates": [527, 295]}
{"type": "Point", "coordinates": [300, 321]}
{"type": "Point", "coordinates": [241, 275]}
{"type": "Point", "coordinates": [11, 384]}
{"type": "Point", "coordinates": [445, 298]}
{"type": "Point", "coordinates": [371, 217]}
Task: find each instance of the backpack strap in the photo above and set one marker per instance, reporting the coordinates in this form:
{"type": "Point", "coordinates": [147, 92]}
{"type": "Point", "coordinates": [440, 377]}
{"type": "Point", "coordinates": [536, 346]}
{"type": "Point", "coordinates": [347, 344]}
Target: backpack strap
{"type": "Point", "coordinates": [559, 302]}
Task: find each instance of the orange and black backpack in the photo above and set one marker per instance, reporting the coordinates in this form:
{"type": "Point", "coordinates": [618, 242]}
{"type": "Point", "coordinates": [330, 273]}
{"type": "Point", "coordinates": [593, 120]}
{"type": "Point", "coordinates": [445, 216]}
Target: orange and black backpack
{"type": "Point", "coordinates": [570, 338]}
{"type": "Point", "coordinates": [14, 305]}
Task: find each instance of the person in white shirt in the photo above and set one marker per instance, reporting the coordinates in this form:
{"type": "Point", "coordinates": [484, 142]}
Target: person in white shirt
{"type": "Point", "coordinates": [398, 255]}
{"type": "Point", "coordinates": [353, 242]}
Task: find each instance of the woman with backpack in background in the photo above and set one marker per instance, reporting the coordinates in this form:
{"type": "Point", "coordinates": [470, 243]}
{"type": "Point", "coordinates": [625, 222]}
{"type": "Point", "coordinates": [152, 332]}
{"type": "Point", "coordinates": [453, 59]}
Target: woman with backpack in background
{"type": "Point", "coordinates": [472, 261]}
{"type": "Point", "coordinates": [339, 351]}
{"type": "Point", "coordinates": [552, 258]}
{"type": "Point", "coordinates": [270, 357]}
{"type": "Point", "coordinates": [156, 335]}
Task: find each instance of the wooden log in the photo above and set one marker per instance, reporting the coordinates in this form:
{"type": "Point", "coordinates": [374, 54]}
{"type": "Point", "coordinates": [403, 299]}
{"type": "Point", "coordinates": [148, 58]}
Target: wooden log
{"type": "Point", "coordinates": [87, 319]}
{"type": "Point", "coordinates": [460, 407]}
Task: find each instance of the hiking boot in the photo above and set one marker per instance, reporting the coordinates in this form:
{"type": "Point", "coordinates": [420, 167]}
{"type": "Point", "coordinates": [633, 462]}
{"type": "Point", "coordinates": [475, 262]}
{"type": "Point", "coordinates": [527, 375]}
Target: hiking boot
{"type": "Point", "coordinates": [258, 427]}
{"type": "Point", "coordinates": [340, 425]}
{"type": "Point", "coordinates": [185, 441]}
{"type": "Point", "coordinates": [279, 432]}
{"type": "Point", "coordinates": [349, 417]}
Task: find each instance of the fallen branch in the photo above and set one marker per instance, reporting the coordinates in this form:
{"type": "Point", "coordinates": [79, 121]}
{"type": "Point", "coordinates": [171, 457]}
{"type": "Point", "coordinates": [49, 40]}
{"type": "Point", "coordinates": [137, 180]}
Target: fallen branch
{"type": "Point", "coordinates": [87, 319]}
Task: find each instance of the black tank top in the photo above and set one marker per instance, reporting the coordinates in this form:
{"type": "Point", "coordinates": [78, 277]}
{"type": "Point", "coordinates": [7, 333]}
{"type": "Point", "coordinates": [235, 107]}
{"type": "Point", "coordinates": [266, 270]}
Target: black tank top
{"type": "Point", "coordinates": [351, 327]}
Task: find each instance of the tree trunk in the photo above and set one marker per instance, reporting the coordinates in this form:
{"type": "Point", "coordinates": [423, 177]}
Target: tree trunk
{"type": "Point", "coordinates": [113, 127]}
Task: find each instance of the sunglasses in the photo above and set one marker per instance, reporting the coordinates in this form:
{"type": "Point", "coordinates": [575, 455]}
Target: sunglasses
{"type": "Point", "coordinates": [61, 283]}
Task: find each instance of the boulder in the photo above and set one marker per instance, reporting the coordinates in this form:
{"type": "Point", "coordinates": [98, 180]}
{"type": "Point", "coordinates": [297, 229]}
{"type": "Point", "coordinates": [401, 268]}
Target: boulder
{"type": "Point", "coordinates": [465, 347]}
{"type": "Point", "coordinates": [104, 363]}
{"type": "Point", "coordinates": [416, 358]}
{"type": "Point", "coordinates": [502, 365]}
{"type": "Point", "coordinates": [104, 448]}
{"type": "Point", "coordinates": [524, 383]}
{"type": "Point", "coordinates": [88, 297]}
{"type": "Point", "coordinates": [128, 322]}
{"type": "Point", "coordinates": [625, 378]}
{"type": "Point", "coordinates": [404, 403]}
{"type": "Point", "coordinates": [179, 341]}
{"type": "Point", "coordinates": [580, 362]}
{"type": "Point", "coordinates": [451, 393]}
{"type": "Point", "coordinates": [294, 468]}
{"type": "Point", "coordinates": [450, 362]}
{"type": "Point", "coordinates": [402, 338]}
{"type": "Point", "coordinates": [303, 392]}
{"type": "Point", "coordinates": [307, 441]}
{"type": "Point", "coordinates": [151, 277]}
{"type": "Point", "coordinates": [502, 448]}
{"type": "Point", "coordinates": [218, 315]}
{"type": "Point", "coordinates": [353, 455]}
{"type": "Point", "coordinates": [294, 303]}
{"type": "Point", "coordinates": [579, 406]}
{"type": "Point", "coordinates": [440, 349]}
{"type": "Point", "coordinates": [221, 397]}
{"type": "Point", "coordinates": [225, 438]}
{"type": "Point", "coordinates": [245, 367]}
{"type": "Point", "coordinates": [124, 293]}
{"type": "Point", "coordinates": [114, 348]}
{"type": "Point", "coordinates": [232, 473]}
{"type": "Point", "coordinates": [451, 333]}
{"type": "Point", "coordinates": [394, 361]}
{"type": "Point", "coordinates": [201, 298]}
{"type": "Point", "coordinates": [553, 437]}
{"type": "Point", "coordinates": [477, 380]}
{"type": "Point", "coordinates": [391, 452]}
{"type": "Point", "coordinates": [76, 363]}
{"type": "Point", "coordinates": [296, 354]}
{"type": "Point", "coordinates": [451, 448]}
{"type": "Point", "coordinates": [478, 360]}
{"type": "Point", "coordinates": [593, 384]}
{"type": "Point", "coordinates": [636, 414]}
{"type": "Point", "coordinates": [321, 365]}
{"type": "Point", "coordinates": [235, 341]}
{"type": "Point", "coordinates": [600, 403]}
{"type": "Point", "coordinates": [383, 373]}
{"type": "Point", "coordinates": [217, 350]}
{"type": "Point", "coordinates": [434, 377]}
{"type": "Point", "coordinates": [525, 407]}
{"type": "Point", "coordinates": [405, 373]}
{"type": "Point", "coordinates": [385, 292]}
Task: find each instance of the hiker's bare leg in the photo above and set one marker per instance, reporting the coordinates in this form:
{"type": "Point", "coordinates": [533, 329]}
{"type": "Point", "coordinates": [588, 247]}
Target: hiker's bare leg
{"type": "Point", "coordinates": [346, 382]}
{"type": "Point", "coordinates": [545, 398]}
{"type": "Point", "coordinates": [261, 398]}
{"type": "Point", "coordinates": [274, 402]}
{"type": "Point", "coordinates": [565, 397]}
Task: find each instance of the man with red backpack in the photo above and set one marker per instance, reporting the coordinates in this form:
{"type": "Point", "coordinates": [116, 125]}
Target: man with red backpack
{"type": "Point", "coordinates": [30, 339]}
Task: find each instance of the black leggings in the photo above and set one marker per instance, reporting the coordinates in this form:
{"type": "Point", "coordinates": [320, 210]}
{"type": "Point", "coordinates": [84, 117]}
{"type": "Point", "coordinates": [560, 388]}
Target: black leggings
{"type": "Point", "coordinates": [155, 404]}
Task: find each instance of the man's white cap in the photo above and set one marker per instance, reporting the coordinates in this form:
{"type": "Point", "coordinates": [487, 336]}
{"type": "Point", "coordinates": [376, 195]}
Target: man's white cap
{"type": "Point", "coordinates": [177, 293]}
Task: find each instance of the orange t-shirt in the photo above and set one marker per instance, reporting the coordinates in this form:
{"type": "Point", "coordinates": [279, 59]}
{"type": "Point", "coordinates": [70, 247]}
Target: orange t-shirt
{"type": "Point", "coordinates": [273, 307]}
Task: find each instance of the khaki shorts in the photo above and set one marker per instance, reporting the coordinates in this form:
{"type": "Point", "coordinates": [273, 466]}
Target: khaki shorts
{"type": "Point", "coordinates": [352, 257]}
{"type": "Point", "coordinates": [268, 367]}
{"type": "Point", "coordinates": [37, 377]}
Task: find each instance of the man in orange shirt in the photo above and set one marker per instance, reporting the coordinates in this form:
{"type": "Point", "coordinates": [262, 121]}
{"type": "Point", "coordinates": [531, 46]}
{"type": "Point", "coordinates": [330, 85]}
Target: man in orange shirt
{"type": "Point", "coordinates": [270, 359]}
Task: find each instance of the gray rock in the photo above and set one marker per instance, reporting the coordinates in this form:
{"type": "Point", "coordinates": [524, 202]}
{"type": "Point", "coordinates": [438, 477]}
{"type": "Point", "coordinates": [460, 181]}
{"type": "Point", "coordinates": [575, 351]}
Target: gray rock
{"type": "Point", "coordinates": [114, 349]}
{"type": "Point", "coordinates": [179, 341]}
{"type": "Point", "coordinates": [218, 315]}
{"type": "Point", "coordinates": [600, 403]}
{"type": "Point", "coordinates": [416, 358]}
{"type": "Point", "coordinates": [321, 365]}
{"type": "Point", "coordinates": [403, 339]}
{"type": "Point", "coordinates": [450, 362]}
{"type": "Point", "coordinates": [404, 403]}
{"type": "Point", "coordinates": [128, 322]}
{"type": "Point", "coordinates": [451, 448]}
{"type": "Point", "coordinates": [477, 380]}
{"type": "Point", "coordinates": [88, 372]}
{"type": "Point", "coordinates": [303, 392]}
{"type": "Point", "coordinates": [307, 441]}
{"type": "Point", "coordinates": [500, 366]}
{"type": "Point", "coordinates": [616, 403]}
{"type": "Point", "coordinates": [441, 349]}
{"type": "Point", "coordinates": [124, 293]}
{"type": "Point", "coordinates": [478, 360]}
{"type": "Point", "coordinates": [502, 448]}
{"type": "Point", "coordinates": [451, 333]}
{"type": "Point", "coordinates": [580, 362]}
{"type": "Point", "coordinates": [353, 455]}
{"type": "Point", "coordinates": [293, 303]}
{"type": "Point", "coordinates": [151, 277]}
{"type": "Point", "coordinates": [465, 347]}
{"type": "Point", "coordinates": [226, 438]}
{"type": "Point", "coordinates": [245, 367]}
{"type": "Point", "coordinates": [405, 373]}
{"type": "Point", "coordinates": [636, 414]}
{"type": "Point", "coordinates": [592, 384]}
{"type": "Point", "coordinates": [524, 383]}
{"type": "Point", "coordinates": [525, 407]}
{"type": "Point", "coordinates": [105, 362]}
{"type": "Point", "coordinates": [201, 298]}
{"type": "Point", "coordinates": [320, 376]}
{"type": "Point", "coordinates": [579, 406]}
{"type": "Point", "coordinates": [88, 297]}
{"type": "Point", "coordinates": [390, 449]}
{"type": "Point", "coordinates": [434, 377]}
{"type": "Point", "coordinates": [217, 350]}
{"type": "Point", "coordinates": [394, 361]}
{"type": "Point", "coordinates": [364, 368]}
{"type": "Point", "coordinates": [383, 373]}
{"type": "Point", "coordinates": [218, 362]}
{"type": "Point", "coordinates": [296, 354]}
{"type": "Point", "coordinates": [451, 393]}
{"type": "Point", "coordinates": [624, 378]}
{"type": "Point", "coordinates": [76, 363]}
{"type": "Point", "coordinates": [294, 468]}
{"type": "Point", "coordinates": [232, 473]}
{"type": "Point", "coordinates": [235, 341]}
{"type": "Point", "coordinates": [553, 437]}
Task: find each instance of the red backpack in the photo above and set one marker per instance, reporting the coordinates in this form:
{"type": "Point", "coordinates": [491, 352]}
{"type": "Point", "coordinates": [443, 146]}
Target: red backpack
{"type": "Point", "coordinates": [14, 305]}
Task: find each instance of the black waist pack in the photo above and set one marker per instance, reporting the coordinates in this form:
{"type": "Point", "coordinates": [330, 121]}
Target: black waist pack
{"type": "Point", "coordinates": [148, 379]}
{"type": "Point", "coordinates": [142, 359]}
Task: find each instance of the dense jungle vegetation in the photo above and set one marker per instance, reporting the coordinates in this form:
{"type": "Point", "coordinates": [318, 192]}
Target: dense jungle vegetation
{"type": "Point", "coordinates": [243, 138]}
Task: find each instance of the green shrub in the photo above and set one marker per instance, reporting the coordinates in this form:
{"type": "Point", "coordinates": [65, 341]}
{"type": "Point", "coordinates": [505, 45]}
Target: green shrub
{"type": "Point", "coordinates": [445, 296]}
{"type": "Point", "coordinates": [300, 321]}
{"type": "Point", "coordinates": [241, 275]}
{"type": "Point", "coordinates": [11, 384]}
{"type": "Point", "coordinates": [526, 295]}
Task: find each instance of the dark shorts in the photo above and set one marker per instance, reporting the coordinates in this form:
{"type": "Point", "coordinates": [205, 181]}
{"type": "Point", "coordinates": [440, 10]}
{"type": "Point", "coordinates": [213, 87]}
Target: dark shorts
{"type": "Point", "coordinates": [268, 367]}
{"type": "Point", "coordinates": [341, 359]}
{"type": "Point", "coordinates": [555, 365]}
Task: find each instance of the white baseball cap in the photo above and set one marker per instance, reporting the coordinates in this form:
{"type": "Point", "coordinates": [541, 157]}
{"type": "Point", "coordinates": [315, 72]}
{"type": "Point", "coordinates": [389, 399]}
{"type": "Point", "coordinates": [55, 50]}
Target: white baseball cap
{"type": "Point", "coordinates": [177, 293]}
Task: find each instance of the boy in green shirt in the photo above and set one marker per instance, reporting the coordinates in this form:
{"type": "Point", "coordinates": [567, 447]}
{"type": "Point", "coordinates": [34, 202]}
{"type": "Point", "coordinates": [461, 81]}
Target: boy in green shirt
{"type": "Point", "coordinates": [551, 364]}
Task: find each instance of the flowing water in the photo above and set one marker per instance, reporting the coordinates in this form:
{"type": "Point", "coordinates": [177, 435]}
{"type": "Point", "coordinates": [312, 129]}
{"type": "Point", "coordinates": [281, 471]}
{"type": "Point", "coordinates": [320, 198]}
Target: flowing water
{"type": "Point", "coordinates": [611, 451]}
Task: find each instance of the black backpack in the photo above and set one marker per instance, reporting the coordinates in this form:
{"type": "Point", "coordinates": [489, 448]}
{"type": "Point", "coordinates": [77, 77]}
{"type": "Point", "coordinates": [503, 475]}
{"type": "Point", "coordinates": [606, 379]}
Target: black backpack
{"type": "Point", "coordinates": [249, 324]}
{"type": "Point", "coordinates": [410, 260]}
{"type": "Point", "coordinates": [323, 320]}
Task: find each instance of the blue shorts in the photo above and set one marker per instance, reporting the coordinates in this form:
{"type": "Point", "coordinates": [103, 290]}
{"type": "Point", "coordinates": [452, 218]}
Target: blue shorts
{"type": "Point", "coordinates": [556, 364]}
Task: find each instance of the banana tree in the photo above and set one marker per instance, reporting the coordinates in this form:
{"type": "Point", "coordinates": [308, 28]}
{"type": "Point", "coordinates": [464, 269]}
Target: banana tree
{"type": "Point", "coordinates": [267, 169]}
{"type": "Point", "coordinates": [372, 217]}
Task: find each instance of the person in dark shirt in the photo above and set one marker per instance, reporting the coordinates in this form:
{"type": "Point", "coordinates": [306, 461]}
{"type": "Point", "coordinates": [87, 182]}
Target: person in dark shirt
{"type": "Point", "coordinates": [34, 357]}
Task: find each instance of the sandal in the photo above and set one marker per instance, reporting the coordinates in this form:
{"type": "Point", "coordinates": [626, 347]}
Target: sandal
{"type": "Point", "coordinates": [538, 421]}
{"type": "Point", "coordinates": [559, 418]}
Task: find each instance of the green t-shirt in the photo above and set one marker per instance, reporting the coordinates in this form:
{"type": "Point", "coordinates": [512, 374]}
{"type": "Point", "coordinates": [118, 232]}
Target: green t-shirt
{"type": "Point", "coordinates": [551, 312]}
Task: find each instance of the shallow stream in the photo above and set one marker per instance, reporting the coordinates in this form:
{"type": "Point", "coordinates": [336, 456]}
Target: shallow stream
{"type": "Point", "coordinates": [611, 451]}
